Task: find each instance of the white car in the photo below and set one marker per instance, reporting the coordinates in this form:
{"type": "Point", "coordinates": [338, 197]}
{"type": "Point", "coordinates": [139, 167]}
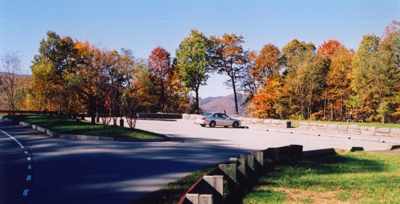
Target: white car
{"type": "Point", "coordinates": [218, 119]}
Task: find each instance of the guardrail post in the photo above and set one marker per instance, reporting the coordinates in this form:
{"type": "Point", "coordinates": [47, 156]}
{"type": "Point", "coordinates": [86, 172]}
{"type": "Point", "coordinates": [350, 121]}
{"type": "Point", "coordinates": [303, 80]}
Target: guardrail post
{"type": "Point", "coordinates": [252, 173]}
{"type": "Point", "coordinates": [230, 170]}
{"type": "Point", "coordinates": [272, 154]}
{"type": "Point", "coordinates": [205, 199]}
{"type": "Point", "coordinates": [192, 198]}
{"type": "Point", "coordinates": [121, 122]}
{"type": "Point", "coordinates": [216, 182]}
{"type": "Point", "coordinates": [242, 166]}
{"type": "Point", "coordinates": [259, 161]}
{"type": "Point", "coordinates": [296, 152]}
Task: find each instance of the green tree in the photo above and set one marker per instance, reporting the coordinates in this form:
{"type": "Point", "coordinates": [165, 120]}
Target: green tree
{"type": "Point", "coordinates": [366, 78]}
{"type": "Point", "coordinates": [296, 53]}
{"type": "Point", "coordinates": [193, 62]}
{"type": "Point", "coordinates": [56, 55]}
{"type": "Point", "coordinates": [298, 57]}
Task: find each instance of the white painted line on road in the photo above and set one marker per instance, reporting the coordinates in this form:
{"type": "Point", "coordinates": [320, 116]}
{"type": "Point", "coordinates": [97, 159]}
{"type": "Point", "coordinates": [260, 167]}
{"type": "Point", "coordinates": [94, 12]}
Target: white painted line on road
{"type": "Point", "coordinates": [29, 177]}
{"type": "Point", "coordinates": [13, 138]}
{"type": "Point", "coordinates": [25, 192]}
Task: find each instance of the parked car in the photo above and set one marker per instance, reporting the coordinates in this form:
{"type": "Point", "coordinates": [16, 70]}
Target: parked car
{"type": "Point", "coordinates": [218, 119]}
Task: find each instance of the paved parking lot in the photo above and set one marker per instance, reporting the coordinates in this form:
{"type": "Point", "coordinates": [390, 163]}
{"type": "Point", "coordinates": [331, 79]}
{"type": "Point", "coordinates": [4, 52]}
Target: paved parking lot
{"type": "Point", "coordinates": [256, 137]}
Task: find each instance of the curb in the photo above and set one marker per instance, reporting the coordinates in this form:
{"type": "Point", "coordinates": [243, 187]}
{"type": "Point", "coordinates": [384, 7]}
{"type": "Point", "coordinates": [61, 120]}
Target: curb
{"type": "Point", "coordinates": [51, 133]}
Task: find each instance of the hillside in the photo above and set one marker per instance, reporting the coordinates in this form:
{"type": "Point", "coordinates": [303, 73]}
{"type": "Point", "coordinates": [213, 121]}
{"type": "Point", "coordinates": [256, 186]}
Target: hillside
{"type": "Point", "coordinates": [221, 103]}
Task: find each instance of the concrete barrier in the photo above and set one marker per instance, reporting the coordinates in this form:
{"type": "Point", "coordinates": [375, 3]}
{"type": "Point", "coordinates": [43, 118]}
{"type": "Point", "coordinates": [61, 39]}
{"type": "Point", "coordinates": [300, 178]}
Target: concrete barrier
{"type": "Point", "coordinates": [319, 153]}
{"type": "Point", "coordinates": [395, 147]}
{"type": "Point", "coordinates": [230, 170]}
{"type": "Point", "coordinates": [239, 174]}
{"type": "Point", "coordinates": [357, 149]}
{"type": "Point", "coordinates": [51, 133]}
{"type": "Point", "coordinates": [25, 124]}
{"type": "Point", "coordinates": [41, 129]}
{"type": "Point", "coordinates": [382, 132]}
{"type": "Point", "coordinates": [395, 132]}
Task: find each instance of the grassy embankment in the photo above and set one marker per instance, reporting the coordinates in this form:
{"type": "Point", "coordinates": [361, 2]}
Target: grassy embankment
{"type": "Point", "coordinates": [63, 125]}
{"type": "Point", "coordinates": [360, 177]}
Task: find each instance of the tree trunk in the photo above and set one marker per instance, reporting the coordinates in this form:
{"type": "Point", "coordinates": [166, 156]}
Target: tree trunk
{"type": "Point", "coordinates": [235, 95]}
{"type": "Point", "coordinates": [197, 104]}
{"type": "Point", "coordinates": [91, 110]}
{"type": "Point", "coordinates": [162, 97]}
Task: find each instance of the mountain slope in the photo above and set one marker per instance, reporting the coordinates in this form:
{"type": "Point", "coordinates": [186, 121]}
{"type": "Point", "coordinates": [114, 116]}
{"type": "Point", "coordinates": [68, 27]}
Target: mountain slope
{"type": "Point", "coordinates": [222, 103]}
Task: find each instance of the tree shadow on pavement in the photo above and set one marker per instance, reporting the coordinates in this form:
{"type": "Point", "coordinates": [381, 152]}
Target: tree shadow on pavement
{"type": "Point", "coordinates": [66, 171]}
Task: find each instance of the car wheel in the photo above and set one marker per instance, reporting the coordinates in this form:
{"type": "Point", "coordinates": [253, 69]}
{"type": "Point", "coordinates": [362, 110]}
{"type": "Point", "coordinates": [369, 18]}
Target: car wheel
{"type": "Point", "coordinates": [202, 125]}
{"type": "Point", "coordinates": [235, 124]}
{"type": "Point", "coordinates": [212, 124]}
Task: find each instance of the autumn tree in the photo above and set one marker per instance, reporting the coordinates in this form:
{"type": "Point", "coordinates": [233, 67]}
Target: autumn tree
{"type": "Point", "coordinates": [338, 80]}
{"type": "Point", "coordinates": [264, 104]}
{"type": "Point", "coordinates": [9, 67]}
{"type": "Point", "coordinates": [329, 48]}
{"type": "Point", "coordinates": [160, 68]}
{"type": "Point", "coordinates": [267, 63]}
{"type": "Point", "coordinates": [229, 57]}
{"type": "Point", "coordinates": [193, 62]}
{"type": "Point", "coordinates": [177, 92]}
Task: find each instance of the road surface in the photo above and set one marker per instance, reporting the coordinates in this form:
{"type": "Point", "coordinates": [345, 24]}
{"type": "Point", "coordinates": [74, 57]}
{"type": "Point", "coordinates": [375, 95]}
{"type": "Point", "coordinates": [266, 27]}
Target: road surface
{"type": "Point", "coordinates": [64, 171]}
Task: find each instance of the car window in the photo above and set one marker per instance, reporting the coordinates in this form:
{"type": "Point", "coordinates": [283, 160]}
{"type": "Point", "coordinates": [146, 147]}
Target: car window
{"type": "Point", "coordinates": [225, 116]}
{"type": "Point", "coordinates": [206, 114]}
{"type": "Point", "coordinates": [221, 116]}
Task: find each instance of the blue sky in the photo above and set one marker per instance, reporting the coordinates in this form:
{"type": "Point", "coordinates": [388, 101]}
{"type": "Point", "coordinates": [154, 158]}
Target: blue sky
{"type": "Point", "coordinates": [143, 25]}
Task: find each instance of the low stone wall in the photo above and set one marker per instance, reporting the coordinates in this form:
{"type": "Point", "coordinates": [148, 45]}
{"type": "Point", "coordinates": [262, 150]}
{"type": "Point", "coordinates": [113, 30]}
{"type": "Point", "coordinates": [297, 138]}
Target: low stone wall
{"type": "Point", "coordinates": [349, 129]}
{"type": "Point", "coordinates": [231, 180]}
{"type": "Point", "coordinates": [186, 116]}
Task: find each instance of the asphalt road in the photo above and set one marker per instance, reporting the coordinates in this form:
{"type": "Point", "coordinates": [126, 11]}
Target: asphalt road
{"type": "Point", "coordinates": [65, 171]}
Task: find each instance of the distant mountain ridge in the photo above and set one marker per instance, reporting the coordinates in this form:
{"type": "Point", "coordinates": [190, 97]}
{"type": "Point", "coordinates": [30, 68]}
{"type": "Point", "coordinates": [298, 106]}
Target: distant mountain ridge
{"type": "Point", "coordinates": [223, 103]}
{"type": "Point", "coordinates": [18, 75]}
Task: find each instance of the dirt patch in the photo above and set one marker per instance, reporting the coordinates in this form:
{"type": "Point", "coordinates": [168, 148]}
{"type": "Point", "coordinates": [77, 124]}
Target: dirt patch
{"type": "Point", "coordinates": [318, 197]}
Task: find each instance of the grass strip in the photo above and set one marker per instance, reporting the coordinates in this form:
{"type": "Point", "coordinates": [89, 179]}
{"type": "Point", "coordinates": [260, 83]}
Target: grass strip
{"type": "Point", "coordinates": [63, 125]}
